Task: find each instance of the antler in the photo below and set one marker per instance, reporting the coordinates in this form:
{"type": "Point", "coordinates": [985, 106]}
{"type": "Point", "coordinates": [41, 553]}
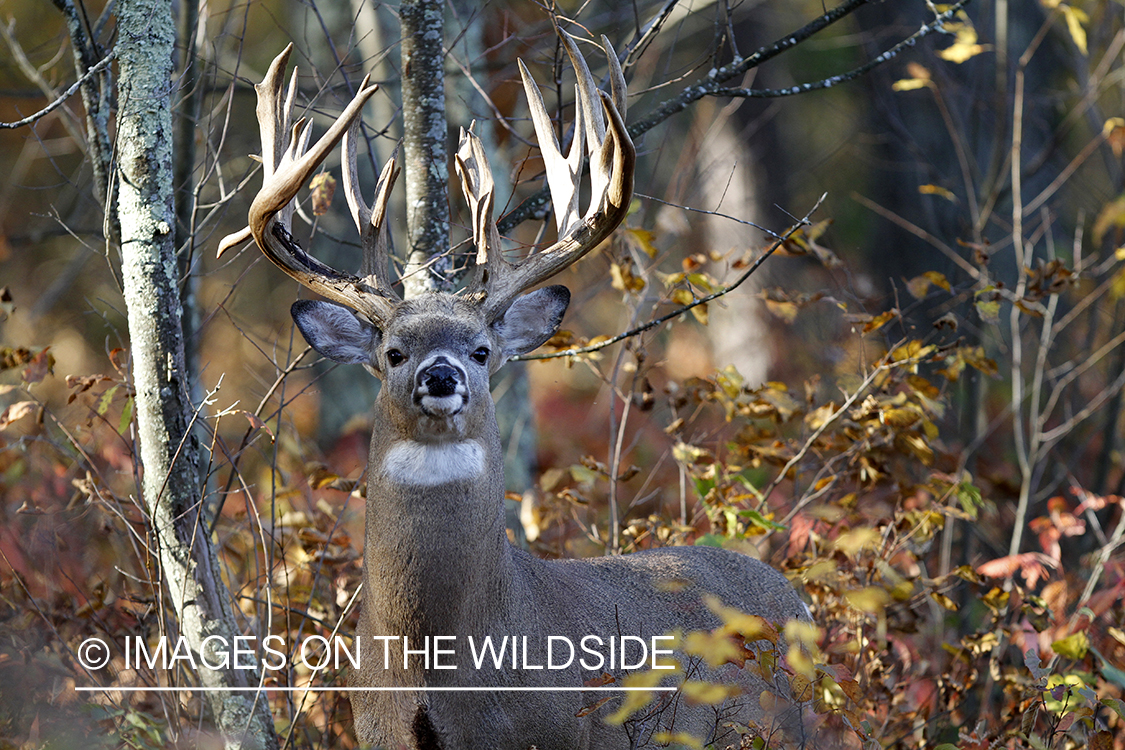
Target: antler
{"type": "Point", "coordinates": [288, 164]}
{"type": "Point", "coordinates": [612, 158]}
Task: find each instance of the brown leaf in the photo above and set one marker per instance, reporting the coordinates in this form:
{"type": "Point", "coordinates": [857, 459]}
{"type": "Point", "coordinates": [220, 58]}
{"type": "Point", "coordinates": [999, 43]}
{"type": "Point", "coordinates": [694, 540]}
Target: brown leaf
{"type": "Point", "coordinates": [37, 369]}
{"type": "Point", "coordinates": [587, 710]}
{"type": "Point", "coordinates": [14, 357]}
{"type": "Point", "coordinates": [1031, 565]}
{"type": "Point", "coordinates": [694, 262]}
{"type": "Point", "coordinates": [257, 423]}
{"type": "Point", "coordinates": [17, 411]}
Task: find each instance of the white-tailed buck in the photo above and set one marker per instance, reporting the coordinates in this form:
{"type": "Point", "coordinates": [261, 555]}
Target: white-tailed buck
{"type": "Point", "coordinates": [440, 580]}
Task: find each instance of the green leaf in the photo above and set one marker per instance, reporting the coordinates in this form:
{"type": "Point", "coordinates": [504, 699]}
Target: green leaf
{"type": "Point", "coordinates": [1074, 646]}
{"type": "Point", "coordinates": [106, 400]}
{"type": "Point", "coordinates": [126, 416]}
{"type": "Point", "coordinates": [709, 540]}
{"type": "Point", "coordinates": [760, 521]}
{"type": "Point", "coordinates": [1117, 706]}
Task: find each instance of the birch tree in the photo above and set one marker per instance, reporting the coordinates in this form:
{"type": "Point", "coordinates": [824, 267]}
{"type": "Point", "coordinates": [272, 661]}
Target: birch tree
{"type": "Point", "coordinates": [169, 453]}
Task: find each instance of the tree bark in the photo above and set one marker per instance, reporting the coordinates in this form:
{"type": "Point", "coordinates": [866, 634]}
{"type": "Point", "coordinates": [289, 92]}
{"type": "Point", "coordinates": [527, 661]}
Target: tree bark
{"type": "Point", "coordinates": [428, 265]}
{"type": "Point", "coordinates": [170, 485]}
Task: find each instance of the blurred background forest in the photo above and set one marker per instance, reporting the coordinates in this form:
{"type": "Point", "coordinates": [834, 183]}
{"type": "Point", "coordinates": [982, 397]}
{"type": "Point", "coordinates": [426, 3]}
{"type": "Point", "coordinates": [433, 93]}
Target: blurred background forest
{"type": "Point", "coordinates": [914, 407]}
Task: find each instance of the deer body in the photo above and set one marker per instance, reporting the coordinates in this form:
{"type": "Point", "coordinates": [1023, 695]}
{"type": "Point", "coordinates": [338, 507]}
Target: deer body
{"type": "Point", "coordinates": [437, 563]}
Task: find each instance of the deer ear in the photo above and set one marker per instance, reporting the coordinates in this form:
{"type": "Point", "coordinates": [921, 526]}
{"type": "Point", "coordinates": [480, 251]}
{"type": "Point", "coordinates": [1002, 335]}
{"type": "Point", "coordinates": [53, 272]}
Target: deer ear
{"type": "Point", "coordinates": [336, 332]}
{"type": "Point", "coordinates": [532, 319]}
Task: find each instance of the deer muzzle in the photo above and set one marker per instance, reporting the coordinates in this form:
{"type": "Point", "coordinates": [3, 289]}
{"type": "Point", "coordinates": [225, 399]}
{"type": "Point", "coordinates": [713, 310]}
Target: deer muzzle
{"type": "Point", "coordinates": [440, 388]}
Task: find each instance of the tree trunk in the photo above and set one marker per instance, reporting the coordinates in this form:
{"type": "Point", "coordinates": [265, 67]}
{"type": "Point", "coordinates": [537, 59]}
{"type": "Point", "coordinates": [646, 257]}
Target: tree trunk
{"type": "Point", "coordinates": [171, 489]}
{"type": "Point", "coordinates": [428, 265]}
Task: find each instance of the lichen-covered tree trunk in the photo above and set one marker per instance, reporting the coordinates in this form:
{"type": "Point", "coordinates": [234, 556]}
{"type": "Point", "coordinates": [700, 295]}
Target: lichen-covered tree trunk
{"type": "Point", "coordinates": [146, 31]}
{"type": "Point", "coordinates": [424, 128]}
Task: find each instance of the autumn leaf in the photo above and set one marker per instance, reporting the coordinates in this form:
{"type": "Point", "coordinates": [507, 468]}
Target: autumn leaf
{"type": "Point", "coordinates": [17, 411]}
{"type": "Point", "coordinates": [1031, 565]}
{"type": "Point", "coordinates": [1075, 19]}
{"type": "Point", "coordinates": [871, 599]}
{"type": "Point", "coordinates": [938, 190]}
{"type": "Point", "coordinates": [637, 699]}
{"type": "Point", "coordinates": [322, 187]}
{"type": "Point", "coordinates": [881, 320]}
{"type": "Point", "coordinates": [910, 84]}
{"type": "Point", "coordinates": [988, 306]}
{"type": "Point", "coordinates": [643, 239]}
{"type": "Point", "coordinates": [716, 648]}
{"type": "Point", "coordinates": [677, 738]}
{"type": "Point", "coordinates": [623, 278]}
{"type": "Point", "coordinates": [707, 693]}
{"type": "Point", "coordinates": [1114, 131]}
{"type": "Point", "coordinates": [1074, 646]}
{"type": "Point", "coordinates": [965, 45]}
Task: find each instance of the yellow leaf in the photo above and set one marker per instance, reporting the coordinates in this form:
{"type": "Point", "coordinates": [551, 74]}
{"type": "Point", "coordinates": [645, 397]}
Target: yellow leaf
{"type": "Point", "coordinates": [682, 297]}
{"type": "Point", "coordinates": [880, 320]}
{"type": "Point", "coordinates": [989, 310]}
{"type": "Point", "coordinates": [1073, 646]}
{"type": "Point", "coordinates": [1074, 20]}
{"type": "Point", "coordinates": [857, 540]}
{"type": "Point", "coordinates": [715, 648]}
{"type": "Point", "coordinates": [708, 693]}
{"type": "Point", "coordinates": [965, 47]}
{"type": "Point", "coordinates": [677, 738]}
{"type": "Point", "coordinates": [801, 687]}
{"type": "Point", "coordinates": [787, 311]}
{"type": "Point", "coordinates": [700, 313]}
{"type": "Point", "coordinates": [644, 239]}
{"type": "Point", "coordinates": [938, 280]}
{"type": "Point", "coordinates": [1112, 216]}
{"type": "Point", "coordinates": [637, 699]}
{"type": "Point", "coordinates": [910, 84]}
{"type": "Point", "coordinates": [944, 601]}
{"type": "Point", "coordinates": [937, 190]}
{"type": "Point", "coordinates": [871, 599]}
{"type": "Point", "coordinates": [749, 627]}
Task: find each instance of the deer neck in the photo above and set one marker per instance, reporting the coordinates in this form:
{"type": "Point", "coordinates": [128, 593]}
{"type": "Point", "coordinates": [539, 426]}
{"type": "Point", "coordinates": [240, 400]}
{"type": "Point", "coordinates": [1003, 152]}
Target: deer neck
{"type": "Point", "coordinates": [436, 559]}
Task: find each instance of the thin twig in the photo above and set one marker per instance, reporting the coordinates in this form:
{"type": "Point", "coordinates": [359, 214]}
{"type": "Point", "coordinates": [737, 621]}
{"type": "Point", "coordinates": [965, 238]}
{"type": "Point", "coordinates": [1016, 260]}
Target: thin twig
{"type": "Point", "coordinates": [102, 65]}
{"type": "Point", "coordinates": [803, 222]}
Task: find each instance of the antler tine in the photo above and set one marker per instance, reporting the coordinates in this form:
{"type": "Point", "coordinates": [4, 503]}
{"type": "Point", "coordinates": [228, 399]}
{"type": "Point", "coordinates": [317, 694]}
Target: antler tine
{"type": "Point", "coordinates": [563, 174]}
{"type": "Point", "coordinates": [288, 164]}
{"type": "Point", "coordinates": [370, 220]}
{"type": "Point", "coordinates": [479, 190]}
{"type": "Point", "coordinates": [612, 159]}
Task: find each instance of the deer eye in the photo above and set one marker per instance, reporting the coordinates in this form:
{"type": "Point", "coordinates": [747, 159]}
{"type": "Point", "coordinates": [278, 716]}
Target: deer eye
{"type": "Point", "coordinates": [480, 356]}
{"type": "Point", "coordinates": [395, 357]}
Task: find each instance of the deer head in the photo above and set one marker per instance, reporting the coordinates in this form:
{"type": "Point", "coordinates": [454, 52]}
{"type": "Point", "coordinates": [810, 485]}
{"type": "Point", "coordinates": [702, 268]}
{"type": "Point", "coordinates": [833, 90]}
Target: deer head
{"type": "Point", "coordinates": [432, 353]}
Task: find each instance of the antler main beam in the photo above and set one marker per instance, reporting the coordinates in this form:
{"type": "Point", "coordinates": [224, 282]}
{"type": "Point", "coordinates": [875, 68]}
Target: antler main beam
{"type": "Point", "coordinates": [612, 159]}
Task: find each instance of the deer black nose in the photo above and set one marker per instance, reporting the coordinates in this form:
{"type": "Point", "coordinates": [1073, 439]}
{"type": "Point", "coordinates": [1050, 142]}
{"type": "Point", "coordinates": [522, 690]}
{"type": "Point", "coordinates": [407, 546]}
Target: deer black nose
{"type": "Point", "coordinates": [441, 380]}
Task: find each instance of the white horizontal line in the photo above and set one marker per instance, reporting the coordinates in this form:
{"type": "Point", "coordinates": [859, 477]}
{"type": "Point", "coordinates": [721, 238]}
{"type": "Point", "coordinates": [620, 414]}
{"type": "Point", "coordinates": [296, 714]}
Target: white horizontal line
{"type": "Point", "coordinates": [274, 689]}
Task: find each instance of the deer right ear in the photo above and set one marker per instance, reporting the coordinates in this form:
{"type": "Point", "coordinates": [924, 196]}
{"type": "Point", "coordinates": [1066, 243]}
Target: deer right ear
{"type": "Point", "coordinates": [336, 332]}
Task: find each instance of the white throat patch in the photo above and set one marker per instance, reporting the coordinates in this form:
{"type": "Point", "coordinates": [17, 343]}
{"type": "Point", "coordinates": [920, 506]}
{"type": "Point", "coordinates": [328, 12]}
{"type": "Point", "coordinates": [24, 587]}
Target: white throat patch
{"type": "Point", "coordinates": [431, 464]}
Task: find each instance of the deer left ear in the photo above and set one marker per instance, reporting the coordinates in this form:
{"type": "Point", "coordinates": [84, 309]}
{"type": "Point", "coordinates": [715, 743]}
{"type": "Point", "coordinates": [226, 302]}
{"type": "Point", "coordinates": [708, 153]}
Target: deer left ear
{"type": "Point", "coordinates": [532, 319]}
